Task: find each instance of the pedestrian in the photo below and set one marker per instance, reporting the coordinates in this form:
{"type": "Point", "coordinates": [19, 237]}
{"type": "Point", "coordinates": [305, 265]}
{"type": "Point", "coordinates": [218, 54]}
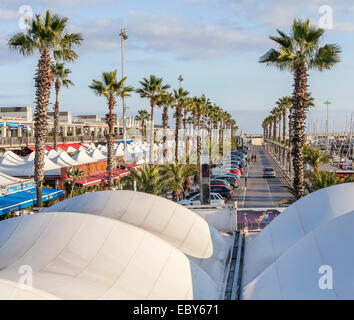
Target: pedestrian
{"type": "Point", "coordinates": [246, 181]}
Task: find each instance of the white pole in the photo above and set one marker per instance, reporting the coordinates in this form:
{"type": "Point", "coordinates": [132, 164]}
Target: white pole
{"type": "Point", "coordinates": [124, 36]}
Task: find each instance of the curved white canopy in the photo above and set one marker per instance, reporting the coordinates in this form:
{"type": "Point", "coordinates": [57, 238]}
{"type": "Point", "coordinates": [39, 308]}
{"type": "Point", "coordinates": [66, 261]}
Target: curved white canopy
{"type": "Point", "coordinates": [82, 256]}
{"type": "Point", "coordinates": [172, 222]}
{"type": "Point", "coordinates": [290, 241]}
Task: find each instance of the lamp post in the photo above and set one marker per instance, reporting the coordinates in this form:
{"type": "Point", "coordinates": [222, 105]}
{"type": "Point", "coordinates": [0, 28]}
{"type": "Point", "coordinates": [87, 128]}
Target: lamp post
{"type": "Point", "coordinates": [327, 123]}
{"type": "Point", "coordinates": [180, 79]}
{"type": "Point", "coordinates": [124, 36]}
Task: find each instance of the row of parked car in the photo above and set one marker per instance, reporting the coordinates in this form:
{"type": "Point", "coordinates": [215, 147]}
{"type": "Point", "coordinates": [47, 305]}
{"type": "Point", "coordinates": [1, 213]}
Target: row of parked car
{"type": "Point", "coordinates": [224, 179]}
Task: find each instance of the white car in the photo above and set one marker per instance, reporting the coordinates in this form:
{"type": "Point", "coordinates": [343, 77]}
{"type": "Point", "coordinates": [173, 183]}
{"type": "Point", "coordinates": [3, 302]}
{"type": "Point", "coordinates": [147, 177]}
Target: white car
{"type": "Point", "coordinates": [215, 198]}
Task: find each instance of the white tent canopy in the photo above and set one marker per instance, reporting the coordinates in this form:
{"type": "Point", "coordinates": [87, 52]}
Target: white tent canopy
{"type": "Point", "coordinates": [27, 169]}
{"type": "Point", "coordinates": [83, 256]}
{"type": "Point", "coordinates": [6, 180]}
{"type": "Point", "coordinates": [11, 158]}
{"type": "Point", "coordinates": [170, 221]}
{"type": "Point", "coordinates": [52, 154]}
{"type": "Point", "coordinates": [82, 157]}
{"type": "Point", "coordinates": [30, 157]}
{"type": "Point", "coordinates": [97, 155]}
{"type": "Point", "coordinates": [283, 261]}
{"type": "Point", "coordinates": [64, 160]}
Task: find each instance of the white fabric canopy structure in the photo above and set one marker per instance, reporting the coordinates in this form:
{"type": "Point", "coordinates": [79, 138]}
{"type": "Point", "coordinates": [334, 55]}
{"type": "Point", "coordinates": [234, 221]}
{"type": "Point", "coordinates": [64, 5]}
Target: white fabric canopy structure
{"type": "Point", "coordinates": [30, 157]}
{"type": "Point", "coordinates": [52, 154]}
{"type": "Point", "coordinates": [97, 155]}
{"type": "Point", "coordinates": [283, 261]}
{"type": "Point", "coordinates": [83, 256]}
{"type": "Point", "coordinates": [64, 160]}
{"type": "Point", "coordinates": [179, 226]}
{"type": "Point", "coordinates": [6, 180]}
{"type": "Point", "coordinates": [27, 169]}
{"type": "Point", "coordinates": [71, 149]}
{"type": "Point", "coordinates": [10, 158]}
{"type": "Point", "coordinates": [82, 157]}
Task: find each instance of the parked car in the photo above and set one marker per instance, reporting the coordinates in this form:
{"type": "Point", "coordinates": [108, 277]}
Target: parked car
{"type": "Point", "coordinates": [220, 182]}
{"type": "Point", "coordinates": [215, 198]}
{"type": "Point", "coordinates": [225, 192]}
{"type": "Point", "coordinates": [230, 179]}
{"type": "Point", "coordinates": [269, 172]}
{"type": "Point", "coordinates": [192, 194]}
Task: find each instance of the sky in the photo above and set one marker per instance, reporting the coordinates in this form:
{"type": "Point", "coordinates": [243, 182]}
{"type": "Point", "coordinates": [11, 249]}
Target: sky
{"type": "Point", "coordinates": [214, 44]}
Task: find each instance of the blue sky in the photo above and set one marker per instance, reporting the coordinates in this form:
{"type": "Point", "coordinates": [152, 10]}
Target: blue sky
{"type": "Point", "coordinates": [214, 44]}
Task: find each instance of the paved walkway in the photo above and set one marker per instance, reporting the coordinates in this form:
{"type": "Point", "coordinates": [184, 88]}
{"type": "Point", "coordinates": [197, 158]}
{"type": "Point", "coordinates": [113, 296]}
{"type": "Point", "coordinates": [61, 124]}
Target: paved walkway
{"type": "Point", "coordinates": [260, 192]}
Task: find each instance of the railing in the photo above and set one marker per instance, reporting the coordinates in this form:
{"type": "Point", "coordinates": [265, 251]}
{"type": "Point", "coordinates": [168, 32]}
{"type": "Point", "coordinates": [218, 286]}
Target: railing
{"type": "Point", "coordinates": [287, 175]}
{"type": "Point", "coordinates": [20, 142]}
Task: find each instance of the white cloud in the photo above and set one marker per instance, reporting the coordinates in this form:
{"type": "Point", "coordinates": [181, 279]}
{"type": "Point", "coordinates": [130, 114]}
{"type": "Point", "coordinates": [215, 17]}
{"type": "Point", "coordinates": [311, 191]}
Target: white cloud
{"type": "Point", "coordinates": [189, 39]}
{"type": "Point", "coordinates": [6, 15]}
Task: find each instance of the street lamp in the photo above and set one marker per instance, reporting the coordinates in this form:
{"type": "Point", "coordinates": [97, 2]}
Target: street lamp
{"type": "Point", "coordinates": [327, 123]}
{"type": "Point", "coordinates": [180, 79]}
{"type": "Point", "coordinates": [124, 36]}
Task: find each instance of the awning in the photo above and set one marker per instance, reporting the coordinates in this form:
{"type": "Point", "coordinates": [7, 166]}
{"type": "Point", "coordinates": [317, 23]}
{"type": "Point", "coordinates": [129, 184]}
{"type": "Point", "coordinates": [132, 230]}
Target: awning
{"type": "Point", "coordinates": [13, 125]}
{"type": "Point", "coordinates": [63, 147]}
{"type": "Point", "coordinates": [102, 177]}
{"type": "Point", "coordinates": [47, 194]}
{"type": "Point", "coordinates": [24, 199]}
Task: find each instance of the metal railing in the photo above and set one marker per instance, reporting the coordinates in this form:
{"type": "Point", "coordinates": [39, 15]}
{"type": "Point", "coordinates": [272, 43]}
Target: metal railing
{"type": "Point", "coordinates": [21, 142]}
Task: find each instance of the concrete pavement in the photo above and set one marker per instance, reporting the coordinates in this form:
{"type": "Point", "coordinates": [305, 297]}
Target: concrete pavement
{"type": "Point", "coordinates": [261, 192]}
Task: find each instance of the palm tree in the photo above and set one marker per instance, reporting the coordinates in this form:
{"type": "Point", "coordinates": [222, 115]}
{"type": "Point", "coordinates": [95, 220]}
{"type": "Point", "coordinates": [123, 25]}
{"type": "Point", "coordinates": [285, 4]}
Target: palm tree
{"type": "Point", "coordinates": [48, 36]}
{"type": "Point", "coordinates": [143, 116]}
{"type": "Point", "coordinates": [298, 53]}
{"type": "Point", "coordinates": [316, 180]}
{"type": "Point", "coordinates": [180, 96]}
{"type": "Point", "coordinates": [166, 101]}
{"type": "Point", "coordinates": [75, 174]}
{"type": "Point", "coordinates": [152, 89]}
{"type": "Point", "coordinates": [110, 88]}
{"type": "Point", "coordinates": [60, 77]}
{"type": "Point", "coordinates": [315, 157]}
{"type": "Point", "coordinates": [178, 175]}
{"type": "Point", "coordinates": [148, 180]}
{"type": "Point", "coordinates": [284, 104]}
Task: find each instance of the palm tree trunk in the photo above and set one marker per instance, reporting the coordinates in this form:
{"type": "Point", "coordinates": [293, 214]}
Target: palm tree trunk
{"type": "Point", "coordinates": [284, 135]}
{"type": "Point", "coordinates": [143, 129]}
{"type": "Point", "coordinates": [43, 83]}
{"type": "Point", "coordinates": [221, 137]}
{"type": "Point", "coordinates": [110, 142]}
{"type": "Point", "coordinates": [185, 129]}
{"type": "Point", "coordinates": [199, 144]}
{"type": "Point", "coordinates": [165, 125]}
{"type": "Point", "coordinates": [290, 138]}
{"type": "Point", "coordinates": [151, 155]}
{"type": "Point", "coordinates": [56, 114]}
{"type": "Point", "coordinates": [300, 98]}
{"type": "Point", "coordinates": [178, 127]}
